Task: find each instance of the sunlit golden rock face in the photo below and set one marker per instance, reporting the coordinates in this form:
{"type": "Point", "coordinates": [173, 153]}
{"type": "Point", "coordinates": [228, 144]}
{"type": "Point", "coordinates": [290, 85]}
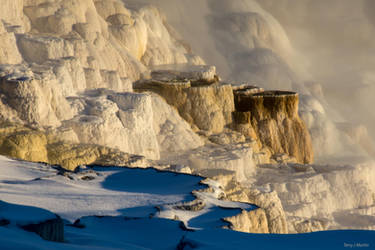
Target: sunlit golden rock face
{"type": "Point", "coordinates": [28, 144]}
{"type": "Point", "coordinates": [197, 96]}
{"type": "Point", "coordinates": [273, 116]}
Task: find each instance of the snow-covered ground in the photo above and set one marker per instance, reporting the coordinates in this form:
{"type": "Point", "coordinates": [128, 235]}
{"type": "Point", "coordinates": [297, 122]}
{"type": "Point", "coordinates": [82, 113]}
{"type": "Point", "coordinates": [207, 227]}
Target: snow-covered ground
{"type": "Point", "coordinates": [122, 208]}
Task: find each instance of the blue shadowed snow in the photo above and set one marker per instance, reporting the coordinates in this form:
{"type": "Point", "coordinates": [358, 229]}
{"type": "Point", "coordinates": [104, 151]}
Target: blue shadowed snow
{"type": "Point", "coordinates": [227, 239]}
{"type": "Point", "coordinates": [212, 218]}
{"type": "Point", "coordinates": [135, 193]}
{"type": "Point", "coordinates": [151, 181]}
{"type": "Point", "coordinates": [116, 232]}
{"type": "Point", "coordinates": [23, 215]}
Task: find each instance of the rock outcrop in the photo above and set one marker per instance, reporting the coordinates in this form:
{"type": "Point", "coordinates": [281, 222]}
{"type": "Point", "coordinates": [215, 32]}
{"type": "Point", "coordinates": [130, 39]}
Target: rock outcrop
{"type": "Point", "coordinates": [254, 221]}
{"type": "Point", "coordinates": [55, 54]}
{"type": "Point", "coordinates": [27, 145]}
{"type": "Point", "coordinates": [273, 115]}
{"type": "Point", "coordinates": [45, 146]}
{"type": "Point", "coordinates": [196, 95]}
{"type": "Point", "coordinates": [268, 217]}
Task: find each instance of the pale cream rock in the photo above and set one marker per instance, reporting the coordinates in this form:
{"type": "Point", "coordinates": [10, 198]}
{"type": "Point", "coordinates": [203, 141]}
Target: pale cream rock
{"type": "Point", "coordinates": [39, 49]}
{"type": "Point", "coordinates": [11, 11]}
{"type": "Point", "coordinates": [37, 99]}
{"type": "Point", "coordinates": [162, 48]}
{"type": "Point", "coordinates": [227, 137]}
{"type": "Point", "coordinates": [254, 221]}
{"type": "Point", "coordinates": [319, 191]}
{"type": "Point", "coordinates": [133, 37]}
{"type": "Point", "coordinates": [237, 158]}
{"type": "Point", "coordinates": [174, 134]}
{"type": "Point", "coordinates": [124, 121]}
{"type": "Point", "coordinates": [8, 50]}
{"type": "Point", "coordinates": [268, 201]}
{"type": "Point", "coordinates": [308, 226]}
{"type": "Point", "coordinates": [109, 8]}
{"type": "Point", "coordinates": [136, 115]}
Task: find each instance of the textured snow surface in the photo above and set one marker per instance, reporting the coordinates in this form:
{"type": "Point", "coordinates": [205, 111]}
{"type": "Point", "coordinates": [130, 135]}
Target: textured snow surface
{"type": "Point", "coordinates": [111, 192]}
{"type": "Point", "coordinates": [125, 199]}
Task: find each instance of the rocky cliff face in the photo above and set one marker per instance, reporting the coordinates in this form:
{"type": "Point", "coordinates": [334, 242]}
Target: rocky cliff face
{"type": "Point", "coordinates": [270, 117]}
{"type": "Point", "coordinates": [196, 94]}
{"type": "Point", "coordinates": [274, 117]}
{"type": "Point", "coordinates": [55, 55]}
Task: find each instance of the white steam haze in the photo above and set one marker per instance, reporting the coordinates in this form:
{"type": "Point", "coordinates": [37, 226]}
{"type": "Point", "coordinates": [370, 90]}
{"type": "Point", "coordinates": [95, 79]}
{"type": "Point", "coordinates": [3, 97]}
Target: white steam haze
{"type": "Point", "coordinates": [322, 49]}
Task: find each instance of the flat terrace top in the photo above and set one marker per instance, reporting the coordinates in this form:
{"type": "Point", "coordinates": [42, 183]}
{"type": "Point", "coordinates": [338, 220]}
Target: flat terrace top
{"type": "Point", "coordinates": [275, 93]}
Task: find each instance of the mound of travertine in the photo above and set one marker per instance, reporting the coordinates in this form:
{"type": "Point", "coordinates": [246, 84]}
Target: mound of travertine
{"type": "Point", "coordinates": [269, 117]}
{"type": "Point", "coordinates": [268, 218]}
{"type": "Point", "coordinates": [54, 54]}
{"type": "Point", "coordinates": [42, 146]}
{"type": "Point", "coordinates": [195, 93]}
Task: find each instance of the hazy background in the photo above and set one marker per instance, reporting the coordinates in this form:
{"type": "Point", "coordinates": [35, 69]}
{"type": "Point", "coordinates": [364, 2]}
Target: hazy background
{"type": "Point", "coordinates": [323, 49]}
{"type": "Point", "coordinates": [336, 39]}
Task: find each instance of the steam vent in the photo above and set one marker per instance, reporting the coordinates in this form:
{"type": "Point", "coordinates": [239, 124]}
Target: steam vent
{"type": "Point", "coordinates": [273, 118]}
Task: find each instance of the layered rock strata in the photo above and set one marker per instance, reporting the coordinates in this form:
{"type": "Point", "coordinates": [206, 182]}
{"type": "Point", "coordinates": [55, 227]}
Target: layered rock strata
{"type": "Point", "coordinates": [274, 120]}
{"type": "Point", "coordinates": [270, 117]}
{"type": "Point", "coordinates": [196, 94]}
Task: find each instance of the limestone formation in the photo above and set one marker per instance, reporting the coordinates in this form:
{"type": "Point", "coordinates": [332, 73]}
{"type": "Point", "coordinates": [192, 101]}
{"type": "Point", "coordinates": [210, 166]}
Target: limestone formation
{"type": "Point", "coordinates": [254, 221]}
{"type": "Point", "coordinates": [122, 121]}
{"type": "Point", "coordinates": [34, 97]}
{"type": "Point", "coordinates": [55, 54]}
{"type": "Point", "coordinates": [174, 134]}
{"type": "Point", "coordinates": [211, 158]}
{"type": "Point", "coordinates": [8, 49]}
{"type": "Point", "coordinates": [317, 197]}
{"type": "Point", "coordinates": [267, 201]}
{"type": "Point", "coordinates": [268, 218]}
{"type": "Point", "coordinates": [43, 146]}
{"type": "Point", "coordinates": [195, 94]}
{"type": "Point", "coordinates": [26, 145]}
{"type": "Point", "coordinates": [273, 116]}
{"type": "Point", "coordinates": [70, 156]}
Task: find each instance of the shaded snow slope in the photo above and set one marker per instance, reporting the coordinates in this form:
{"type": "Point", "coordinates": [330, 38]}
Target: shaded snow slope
{"type": "Point", "coordinates": [110, 191]}
{"type": "Point", "coordinates": [145, 233]}
{"type": "Point", "coordinates": [122, 203]}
